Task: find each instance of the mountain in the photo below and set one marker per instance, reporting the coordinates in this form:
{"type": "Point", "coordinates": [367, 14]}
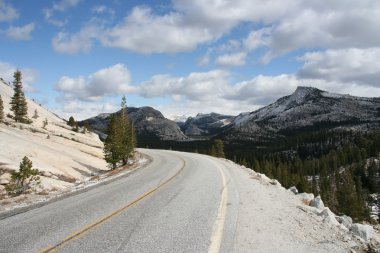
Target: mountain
{"type": "Point", "coordinates": [205, 124]}
{"type": "Point", "coordinates": [62, 155]}
{"type": "Point", "coordinates": [149, 123]}
{"type": "Point", "coordinates": [306, 109]}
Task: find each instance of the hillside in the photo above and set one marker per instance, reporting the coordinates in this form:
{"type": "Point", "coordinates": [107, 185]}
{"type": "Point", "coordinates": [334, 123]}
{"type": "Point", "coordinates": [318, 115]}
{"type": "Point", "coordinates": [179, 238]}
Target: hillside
{"type": "Point", "coordinates": [62, 155]}
{"type": "Point", "coordinates": [307, 109]}
{"type": "Point", "coordinates": [149, 123]}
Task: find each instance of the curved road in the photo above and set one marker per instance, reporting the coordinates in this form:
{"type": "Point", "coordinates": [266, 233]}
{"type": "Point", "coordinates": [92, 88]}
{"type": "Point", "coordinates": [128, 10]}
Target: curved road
{"type": "Point", "coordinates": [181, 202]}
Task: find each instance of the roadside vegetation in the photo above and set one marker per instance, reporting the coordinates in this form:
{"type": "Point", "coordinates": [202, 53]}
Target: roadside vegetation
{"type": "Point", "coordinates": [23, 179]}
{"type": "Point", "coordinates": [121, 138]}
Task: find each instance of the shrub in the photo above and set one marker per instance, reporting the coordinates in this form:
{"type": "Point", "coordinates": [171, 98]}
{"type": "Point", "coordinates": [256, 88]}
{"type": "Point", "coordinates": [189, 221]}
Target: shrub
{"type": "Point", "coordinates": [21, 180]}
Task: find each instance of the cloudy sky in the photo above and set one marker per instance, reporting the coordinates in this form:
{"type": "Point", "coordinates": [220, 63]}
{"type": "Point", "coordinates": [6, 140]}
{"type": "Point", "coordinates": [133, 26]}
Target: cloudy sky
{"type": "Point", "coordinates": [78, 57]}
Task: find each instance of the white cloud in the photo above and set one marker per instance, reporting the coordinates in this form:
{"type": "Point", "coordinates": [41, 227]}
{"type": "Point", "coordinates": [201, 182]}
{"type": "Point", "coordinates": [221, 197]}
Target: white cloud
{"type": "Point", "coordinates": [114, 80]}
{"type": "Point", "coordinates": [144, 32]}
{"type": "Point", "coordinates": [29, 76]}
{"type": "Point", "coordinates": [198, 86]}
{"type": "Point", "coordinates": [20, 32]}
{"type": "Point", "coordinates": [7, 12]}
{"type": "Point", "coordinates": [63, 43]}
{"type": "Point", "coordinates": [288, 26]}
{"type": "Point", "coordinates": [345, 65]}
{"type": "Point", "coordinates": [190, 24]}
{"type": "Point", "coordinates": [258, 38]}
{"type": "Point", "coordinates": [82, 110]}
{"type": "Point", "coordinates": [354, 25]}
{"type": "Point", "coordinates": [102, 9]}
{"type": "Point", "coordinates": [60, 6]}
{"type": "Point", "coordinates": [235, 59]}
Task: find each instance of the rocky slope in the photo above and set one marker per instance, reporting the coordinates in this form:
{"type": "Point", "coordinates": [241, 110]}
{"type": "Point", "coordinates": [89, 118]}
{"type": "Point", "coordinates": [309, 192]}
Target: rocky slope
{"type": "Point", "coordinates": [306, 109]}
{"type": "Point", "coordinates": [62, 156]}
{"type": "Point", "coordinates": [149, 123]}
{"type": "Point", "coordinates": [205, 124]}
{"type": "Point", "coordinates": [273, 219]}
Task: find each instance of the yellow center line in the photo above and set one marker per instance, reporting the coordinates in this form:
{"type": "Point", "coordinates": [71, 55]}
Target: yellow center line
{"type": "Point", "coordinates": [217, 232]}
{"type": "Point", "coordinates": [106, 218]}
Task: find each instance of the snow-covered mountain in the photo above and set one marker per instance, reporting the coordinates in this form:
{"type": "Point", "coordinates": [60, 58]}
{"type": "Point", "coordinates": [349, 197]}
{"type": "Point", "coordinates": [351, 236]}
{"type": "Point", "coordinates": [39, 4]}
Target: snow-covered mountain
{"type": "Point", "coordinates": [307, 108]}
{"type": "Point", "coordinates": [147, 121]}
{"type": "Point", "coordinates": [205, 124]}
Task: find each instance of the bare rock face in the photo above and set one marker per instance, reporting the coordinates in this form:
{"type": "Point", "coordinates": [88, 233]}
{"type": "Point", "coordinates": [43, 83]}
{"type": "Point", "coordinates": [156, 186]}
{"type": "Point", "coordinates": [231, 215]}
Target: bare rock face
{"type": "Point", "coordinates": [366, 232]}
{"type": "Point", "coordinates": [205, 124]}
{"type": "Point", "coordinates": [317, 202]}
{"type": "Point", "coordinates": [147, 121]}
{"type": "Point", "coordinates": [328, 217]}
{"type": "Point", "coordinates": [345, 221]}
{"type": "Point", "coordinates": [306, 108]}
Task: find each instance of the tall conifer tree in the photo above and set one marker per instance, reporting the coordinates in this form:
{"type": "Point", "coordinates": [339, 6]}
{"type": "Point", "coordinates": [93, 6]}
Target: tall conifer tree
{"type": "Point", "coordinates": [113, 145]}
{"type": "Point", "coordinates": [18, 102]}
{"type": "Point", "coordinates": [1, 109]}
{"type": "Point", "coordinates": [121, 140]}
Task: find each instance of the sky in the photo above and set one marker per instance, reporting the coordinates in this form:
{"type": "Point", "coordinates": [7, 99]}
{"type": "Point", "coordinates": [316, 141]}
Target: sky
{"type": "Point", "coordinates": [183, 57]}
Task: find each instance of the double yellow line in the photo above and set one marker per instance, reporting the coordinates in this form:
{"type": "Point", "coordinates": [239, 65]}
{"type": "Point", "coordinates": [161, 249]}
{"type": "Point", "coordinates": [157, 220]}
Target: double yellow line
{"type": "Point", "coordinates": [106, 218]}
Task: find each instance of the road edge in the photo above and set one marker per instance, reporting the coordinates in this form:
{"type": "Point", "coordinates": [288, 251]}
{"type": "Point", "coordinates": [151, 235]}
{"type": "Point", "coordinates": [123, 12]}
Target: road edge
{"type": "Point", "coordinates": [111, 179]}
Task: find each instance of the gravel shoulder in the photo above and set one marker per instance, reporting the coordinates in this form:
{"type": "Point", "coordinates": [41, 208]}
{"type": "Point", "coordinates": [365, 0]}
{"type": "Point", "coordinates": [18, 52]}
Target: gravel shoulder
{"type": "Point", "coordinates": [273, 219]}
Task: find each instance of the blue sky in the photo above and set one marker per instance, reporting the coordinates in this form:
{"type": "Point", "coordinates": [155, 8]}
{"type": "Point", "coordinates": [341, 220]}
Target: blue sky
{"type": "Point", "coordinates": [78, 57]}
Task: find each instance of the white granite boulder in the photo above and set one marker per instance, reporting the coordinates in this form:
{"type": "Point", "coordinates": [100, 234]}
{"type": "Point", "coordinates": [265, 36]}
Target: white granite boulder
{"type": "Point", "coordinates": [317, 202]}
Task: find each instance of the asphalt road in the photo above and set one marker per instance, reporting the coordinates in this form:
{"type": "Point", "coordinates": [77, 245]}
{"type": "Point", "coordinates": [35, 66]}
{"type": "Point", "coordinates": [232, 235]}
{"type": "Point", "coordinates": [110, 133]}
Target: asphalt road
{"type": "Point", "coordinates": [181, 202]}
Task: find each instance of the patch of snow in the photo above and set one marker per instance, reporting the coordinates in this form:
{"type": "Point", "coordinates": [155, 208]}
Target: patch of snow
{"type": "Point", "coordinates": [179, 118]}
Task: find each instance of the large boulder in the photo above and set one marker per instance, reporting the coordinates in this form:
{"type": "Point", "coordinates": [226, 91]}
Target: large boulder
{"type": "Point", "coordinates": [344, 220]}
{"type": "Point", "coordinates": [317, 202]}
{"type": "Point", "coordinates": [366, 232]}
{"type": "Point", "coordinates": [328, 217]}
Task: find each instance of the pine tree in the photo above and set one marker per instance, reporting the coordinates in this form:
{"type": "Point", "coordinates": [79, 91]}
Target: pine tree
{"type": "Point", "coordinates": [217, 148]}
{"type": "Point", "coordinates": [126, 132]}
{"type": "Point", "coordinates": [372, 178]}
{"type": "Point", "coordinates": [18, 102]}
{"type": "Point", "coordinates": [113, 145]}
{"type": "Point", "coordinates": [71, 122]}
{"type": "Point", "coordinates": [1, 109]}
{"type": "Point", "coordinates": [347, 195]}
{"type": "Point", "coordinates": [86, 127]}
{"type": "Point", "coordinates": [314, 186]}
{"type": "Point", "coordinates": [35, 116]}
{"type": "Point", "coordinates": [121, 140]}
{"type": "Point", "coordinates": [133, 136]}
{"type": "Point", "coordinates": [20, 180]}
